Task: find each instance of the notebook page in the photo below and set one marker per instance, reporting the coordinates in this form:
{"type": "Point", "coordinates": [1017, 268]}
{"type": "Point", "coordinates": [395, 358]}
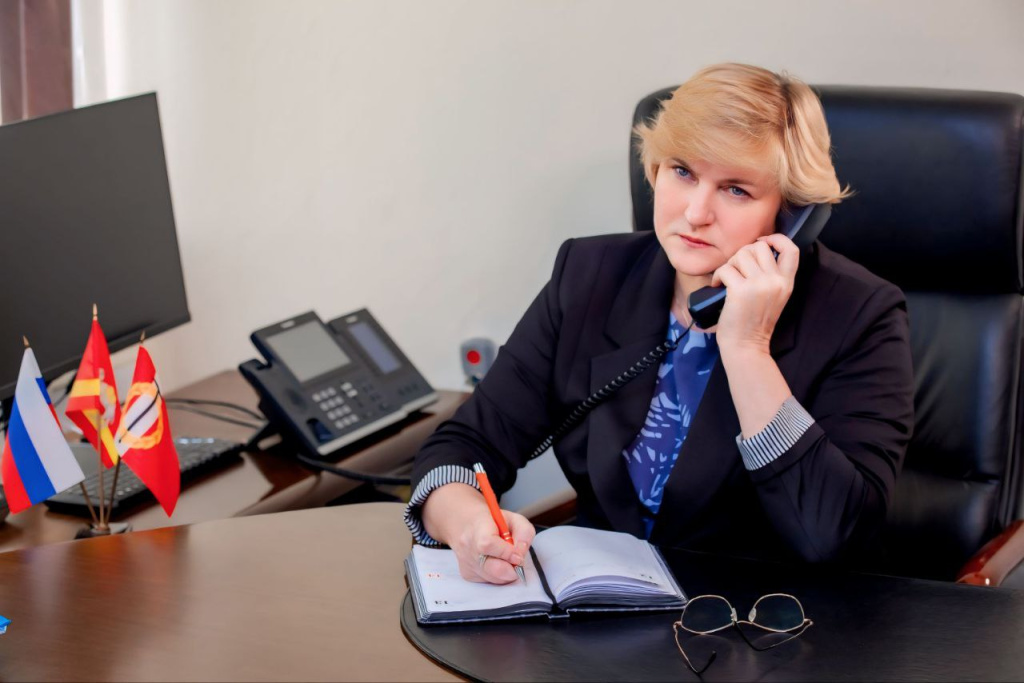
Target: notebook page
{"type": "Point", "coordinates": [575, 554]}
{"type": "Point", "coordinates": [444, 589]}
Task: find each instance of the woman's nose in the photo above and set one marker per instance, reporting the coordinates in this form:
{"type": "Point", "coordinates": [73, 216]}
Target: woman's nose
{"type": "Point", "coordinates": [698, 212]}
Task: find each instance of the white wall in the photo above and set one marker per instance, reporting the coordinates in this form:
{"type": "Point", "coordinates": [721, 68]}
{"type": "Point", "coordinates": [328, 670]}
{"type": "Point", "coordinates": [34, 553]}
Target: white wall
{"type": "Point", "coordinates": [425, 159]}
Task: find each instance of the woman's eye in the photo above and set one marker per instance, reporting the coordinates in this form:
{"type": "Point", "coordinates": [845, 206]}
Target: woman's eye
{"type": "Point", "coordinates": [737, 192]}
{"type": "Point", "coordinates": [682, 171]}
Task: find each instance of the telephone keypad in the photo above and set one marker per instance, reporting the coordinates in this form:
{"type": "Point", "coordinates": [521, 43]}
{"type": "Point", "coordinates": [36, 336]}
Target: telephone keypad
{"type": "Point", "coordinates": [342, 403]}
{"type": "Point", "coordinates": [358, 400]}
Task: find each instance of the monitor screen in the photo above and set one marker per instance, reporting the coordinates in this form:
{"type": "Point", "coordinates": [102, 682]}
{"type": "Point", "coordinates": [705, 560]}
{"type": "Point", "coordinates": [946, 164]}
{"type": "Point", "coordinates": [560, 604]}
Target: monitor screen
{"type": "Point", "coordinates": [86, 217]}
{"type": "Point", "coordinates": [308, 351]}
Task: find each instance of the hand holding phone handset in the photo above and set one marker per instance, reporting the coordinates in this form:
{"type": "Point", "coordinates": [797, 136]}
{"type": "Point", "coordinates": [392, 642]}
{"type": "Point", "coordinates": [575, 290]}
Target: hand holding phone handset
{"type": "Point", "coordinates": [801, 224]}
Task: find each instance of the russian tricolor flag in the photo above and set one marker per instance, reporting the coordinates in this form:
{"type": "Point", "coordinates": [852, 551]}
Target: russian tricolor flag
{"type": "Point", "coordinates": [37, 461]}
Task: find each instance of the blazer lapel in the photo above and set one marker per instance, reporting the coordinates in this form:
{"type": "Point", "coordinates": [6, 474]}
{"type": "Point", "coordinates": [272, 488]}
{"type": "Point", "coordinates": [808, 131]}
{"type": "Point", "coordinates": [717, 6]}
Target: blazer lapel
{"type": "Point", "coordinates": [637, 323]}
{"type": "Point", "coordinates": [708, 457]}
{"type": "Point", "coordinates": [785, 333]}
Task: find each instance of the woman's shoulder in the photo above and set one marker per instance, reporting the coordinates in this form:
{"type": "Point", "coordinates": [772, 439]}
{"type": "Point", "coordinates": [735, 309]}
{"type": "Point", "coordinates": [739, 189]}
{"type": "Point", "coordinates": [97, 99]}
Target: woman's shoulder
{"type": "Point", "coordinates": [837, 284]}
{"type": "Point", "coordinates": [616, 240]}
{"type": "Point", "coordinates": [622, 247]}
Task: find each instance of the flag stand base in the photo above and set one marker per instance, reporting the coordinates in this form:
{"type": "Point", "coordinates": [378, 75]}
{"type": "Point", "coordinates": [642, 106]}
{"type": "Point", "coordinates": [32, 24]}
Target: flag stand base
{"type": "Point", "coordinates": [92, 531]}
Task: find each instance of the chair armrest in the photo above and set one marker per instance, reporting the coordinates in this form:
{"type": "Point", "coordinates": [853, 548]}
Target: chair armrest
{"type": "Point", "coordinates": [996, 559]}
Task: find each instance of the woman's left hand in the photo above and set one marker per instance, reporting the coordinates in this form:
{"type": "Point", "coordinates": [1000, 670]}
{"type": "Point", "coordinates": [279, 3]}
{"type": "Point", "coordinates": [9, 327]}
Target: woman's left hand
{"type": "Point", "coordinates": [759, 287]}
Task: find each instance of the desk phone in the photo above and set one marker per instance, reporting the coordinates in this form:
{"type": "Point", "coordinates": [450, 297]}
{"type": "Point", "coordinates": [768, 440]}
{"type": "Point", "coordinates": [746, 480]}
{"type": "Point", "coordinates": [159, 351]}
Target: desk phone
{"type": "Point", "coordinates": [329, 385]}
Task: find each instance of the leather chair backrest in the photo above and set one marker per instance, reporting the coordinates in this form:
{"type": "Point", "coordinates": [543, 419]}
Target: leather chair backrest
{"type": "Point", "coordinates": [937, 211]}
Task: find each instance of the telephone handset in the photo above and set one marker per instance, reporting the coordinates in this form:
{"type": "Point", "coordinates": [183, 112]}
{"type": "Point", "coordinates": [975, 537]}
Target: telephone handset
{"type": "Point", "coordinates": [329, 385]}
{"type": "Point", "coordinates": [801, 224]}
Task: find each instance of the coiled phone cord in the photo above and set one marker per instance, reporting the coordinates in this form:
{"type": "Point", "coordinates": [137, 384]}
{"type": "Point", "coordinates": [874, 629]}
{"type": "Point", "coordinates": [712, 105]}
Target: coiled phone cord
{"type": "Point", "coordinates": [608, 390]}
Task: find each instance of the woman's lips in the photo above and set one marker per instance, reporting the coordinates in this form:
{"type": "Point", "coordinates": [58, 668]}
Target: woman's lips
{"type": "Point", "coordinates": [694, 242]}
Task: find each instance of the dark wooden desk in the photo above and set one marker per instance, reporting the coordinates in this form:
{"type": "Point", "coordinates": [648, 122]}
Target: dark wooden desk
{"type": "Point", "coordinates": [305, 595]}
{"type": "Point", "coordinates": [316, 595]}
{"type": "Point", "coordinates": [258, 483]}
{"type": "Point", "coordinates": [866, 628]}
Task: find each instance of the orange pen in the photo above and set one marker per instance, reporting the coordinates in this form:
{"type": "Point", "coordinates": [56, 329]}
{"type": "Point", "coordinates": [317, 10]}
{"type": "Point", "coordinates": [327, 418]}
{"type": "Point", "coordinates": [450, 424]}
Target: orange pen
{"type": "Point", "coordinates": [492, 505]}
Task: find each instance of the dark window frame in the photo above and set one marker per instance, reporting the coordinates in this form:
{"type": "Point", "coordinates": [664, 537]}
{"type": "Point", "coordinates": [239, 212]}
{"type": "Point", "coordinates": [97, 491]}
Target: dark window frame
{"type": "Point", "coordinates": [35, 58]}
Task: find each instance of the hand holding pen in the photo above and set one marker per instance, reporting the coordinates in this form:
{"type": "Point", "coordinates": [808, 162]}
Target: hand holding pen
{"type": "Point", "coordinates": [497, 515]}
{"type": "Point", "coordinates": [458, 516]}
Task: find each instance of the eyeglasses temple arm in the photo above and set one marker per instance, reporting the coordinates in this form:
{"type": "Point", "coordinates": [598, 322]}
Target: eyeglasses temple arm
{"type": "Point", "coordinates": [714, 653]}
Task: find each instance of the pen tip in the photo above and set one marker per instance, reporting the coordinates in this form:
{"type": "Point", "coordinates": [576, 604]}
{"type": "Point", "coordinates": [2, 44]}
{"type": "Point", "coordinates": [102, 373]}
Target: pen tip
{"type": "Point", "coordinates": [521, 573]}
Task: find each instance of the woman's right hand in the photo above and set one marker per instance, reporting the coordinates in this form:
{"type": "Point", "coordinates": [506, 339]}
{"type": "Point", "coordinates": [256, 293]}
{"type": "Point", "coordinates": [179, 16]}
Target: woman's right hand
{"type": "Point", "coordinates": [457, 515]}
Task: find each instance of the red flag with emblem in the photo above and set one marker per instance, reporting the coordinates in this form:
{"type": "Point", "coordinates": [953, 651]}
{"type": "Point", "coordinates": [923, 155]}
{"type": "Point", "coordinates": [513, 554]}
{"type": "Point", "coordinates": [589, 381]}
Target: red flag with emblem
{"type": "Point", "coordinates": [144, 439]}
{"type": "Point", "coordinates": [94, 395]}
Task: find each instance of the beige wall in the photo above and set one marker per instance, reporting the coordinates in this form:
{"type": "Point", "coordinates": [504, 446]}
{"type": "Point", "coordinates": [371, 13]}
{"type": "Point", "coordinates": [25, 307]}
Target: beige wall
{"type": "Point", "coordinates": [425, 159]}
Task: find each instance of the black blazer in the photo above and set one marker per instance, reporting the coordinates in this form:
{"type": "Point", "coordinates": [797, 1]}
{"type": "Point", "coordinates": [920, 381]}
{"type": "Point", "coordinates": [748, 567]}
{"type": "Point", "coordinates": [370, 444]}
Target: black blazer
{"type": "Point", "coordinates": [841, 343]}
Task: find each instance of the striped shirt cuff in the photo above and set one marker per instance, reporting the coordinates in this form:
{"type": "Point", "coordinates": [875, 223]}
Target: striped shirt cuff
{"type": "Point", "coordinates": [778, 436]}
{"type": "Point", "coordinates": [435, 478]}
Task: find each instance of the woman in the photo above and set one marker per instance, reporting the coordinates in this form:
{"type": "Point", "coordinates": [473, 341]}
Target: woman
{"type": "Point", "coordinates": [779, 432]}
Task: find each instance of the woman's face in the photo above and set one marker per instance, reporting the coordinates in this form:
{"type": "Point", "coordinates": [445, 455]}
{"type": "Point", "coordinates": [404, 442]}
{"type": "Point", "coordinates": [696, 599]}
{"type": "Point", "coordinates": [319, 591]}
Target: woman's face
{"type": "Point", "coordinates": [704, 213]}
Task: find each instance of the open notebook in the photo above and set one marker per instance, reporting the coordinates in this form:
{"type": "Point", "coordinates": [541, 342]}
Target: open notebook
{"type": "Point", "coordinates": [570, 569]}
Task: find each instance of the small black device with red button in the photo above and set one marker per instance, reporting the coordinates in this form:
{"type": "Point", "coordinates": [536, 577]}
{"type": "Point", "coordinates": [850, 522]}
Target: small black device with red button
{"type": "Point", "coordinates": [477, 356]}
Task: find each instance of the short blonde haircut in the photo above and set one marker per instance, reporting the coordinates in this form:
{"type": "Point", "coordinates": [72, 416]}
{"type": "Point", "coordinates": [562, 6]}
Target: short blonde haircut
{"type": "Point", "coordinates": [741, 115]}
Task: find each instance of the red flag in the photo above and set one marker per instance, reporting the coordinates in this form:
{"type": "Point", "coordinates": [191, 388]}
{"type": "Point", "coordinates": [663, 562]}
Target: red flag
{"type": "Point", "coordinates": [144, 440]}
{"type": "Point", "coordinates": [93, 394]}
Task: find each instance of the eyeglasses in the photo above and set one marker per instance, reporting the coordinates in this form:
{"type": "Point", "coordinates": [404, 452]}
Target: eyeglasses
{"type": "Point", "coordinates": [775, 613]}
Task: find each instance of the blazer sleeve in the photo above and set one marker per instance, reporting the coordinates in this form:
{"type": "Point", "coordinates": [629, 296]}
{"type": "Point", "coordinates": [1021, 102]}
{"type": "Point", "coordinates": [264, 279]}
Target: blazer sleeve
{"type": "Point", "coordinates": [830, 491]}
{"type": "Point", "coordinates": [508, 414]}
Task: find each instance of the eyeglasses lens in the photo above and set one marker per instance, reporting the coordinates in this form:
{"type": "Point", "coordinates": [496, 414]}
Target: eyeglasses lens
{"type": "Point", "coordinates": [778, 613]}
{"type": "Point", "coordinates": [707, 613]}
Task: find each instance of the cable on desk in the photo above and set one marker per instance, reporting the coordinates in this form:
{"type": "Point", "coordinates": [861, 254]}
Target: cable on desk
{"type": "Point", "coordinates": [215, 416]}
{"type": "Point", "coordinates": [269, 430]}
{"type": "Point", "coordinates": [222, 404]}
{"type": "Point", "coordinates": [377, 480]}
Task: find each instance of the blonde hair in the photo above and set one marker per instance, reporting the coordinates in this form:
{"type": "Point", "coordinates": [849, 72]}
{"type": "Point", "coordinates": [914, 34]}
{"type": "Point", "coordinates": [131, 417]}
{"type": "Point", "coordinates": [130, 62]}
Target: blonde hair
{"type": "Point", "coordinates": [737, 114]}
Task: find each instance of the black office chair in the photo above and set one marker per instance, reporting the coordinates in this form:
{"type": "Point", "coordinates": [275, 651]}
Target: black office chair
{"type": "Point", "coordinates": [938, 211]}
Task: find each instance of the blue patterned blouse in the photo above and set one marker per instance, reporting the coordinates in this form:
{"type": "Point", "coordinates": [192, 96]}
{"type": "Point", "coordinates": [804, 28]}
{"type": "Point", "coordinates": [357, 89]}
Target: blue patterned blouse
{"type": "Point", "coordinates": [682, 378]}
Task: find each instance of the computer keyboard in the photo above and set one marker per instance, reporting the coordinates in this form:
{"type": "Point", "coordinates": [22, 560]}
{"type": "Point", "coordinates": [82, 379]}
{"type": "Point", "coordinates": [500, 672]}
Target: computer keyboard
{"type": "Point", "coordinates": [195, 456]}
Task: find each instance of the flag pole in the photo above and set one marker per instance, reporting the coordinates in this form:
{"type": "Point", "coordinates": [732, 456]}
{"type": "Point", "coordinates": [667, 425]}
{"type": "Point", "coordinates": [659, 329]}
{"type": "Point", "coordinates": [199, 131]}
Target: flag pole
{"type": "Point", "coordinates": [88, 503]}
{"type": "Point", "coordinates": [117, 469]}
{"type": "Point", "coordinates": [99, 441]}
{"type": "Point", "coordinates": [99, 454]}
{"type": "Point", "coordinates": [113, 489]}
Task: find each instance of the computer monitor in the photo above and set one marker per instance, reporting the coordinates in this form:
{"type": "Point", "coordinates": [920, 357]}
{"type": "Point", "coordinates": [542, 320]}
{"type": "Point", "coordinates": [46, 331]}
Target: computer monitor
{"type": "Point", "coordinates": [85, 217]}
